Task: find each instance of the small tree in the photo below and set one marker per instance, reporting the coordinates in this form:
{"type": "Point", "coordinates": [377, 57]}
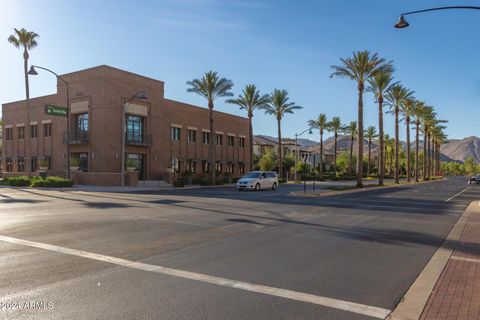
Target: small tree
{"type": "Point", "coordinates": [268, 161]}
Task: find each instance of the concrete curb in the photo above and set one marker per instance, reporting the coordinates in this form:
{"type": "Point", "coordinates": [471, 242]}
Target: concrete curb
{"type": "Point", "coordinates": [414, 301]}
{"type": "Point", "coordinates": [332, 193]}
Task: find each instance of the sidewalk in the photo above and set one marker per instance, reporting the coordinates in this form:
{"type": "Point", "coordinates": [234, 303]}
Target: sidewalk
{"type": "Point", "coordinates": [456, 294]}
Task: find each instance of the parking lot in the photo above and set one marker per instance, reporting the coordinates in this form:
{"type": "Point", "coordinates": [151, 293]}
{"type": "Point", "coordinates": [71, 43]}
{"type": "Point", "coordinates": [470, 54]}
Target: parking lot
{"type": "Point", "coordinates": [216, 253]}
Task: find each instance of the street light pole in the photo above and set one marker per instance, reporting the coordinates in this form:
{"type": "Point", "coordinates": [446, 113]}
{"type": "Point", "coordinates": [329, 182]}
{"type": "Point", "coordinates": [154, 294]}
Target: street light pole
{"type": "Point", "coordinates": [402, 23]}
{"type": "Point", "coordinates": [296, 148]}
{"type": "Point", "coordinates": [33, 72]}
{"type": "Point", "coordinates": [139, 95]}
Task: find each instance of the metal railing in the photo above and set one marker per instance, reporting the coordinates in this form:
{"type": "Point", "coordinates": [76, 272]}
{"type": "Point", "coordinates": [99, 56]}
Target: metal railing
{"type": "Point", "coordinates": [76, 137]}
{"type": "Point", "coordinates": [136, 139]}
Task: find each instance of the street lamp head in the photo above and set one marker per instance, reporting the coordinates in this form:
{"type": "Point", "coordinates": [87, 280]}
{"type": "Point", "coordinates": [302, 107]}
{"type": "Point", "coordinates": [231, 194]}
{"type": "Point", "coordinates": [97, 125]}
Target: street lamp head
{"type": "Point", "coordinates": [310, 131]}
{"type": "Point", "coordinates": [402, 23]}
{"type": "Point", "coordinates": [32, 71]}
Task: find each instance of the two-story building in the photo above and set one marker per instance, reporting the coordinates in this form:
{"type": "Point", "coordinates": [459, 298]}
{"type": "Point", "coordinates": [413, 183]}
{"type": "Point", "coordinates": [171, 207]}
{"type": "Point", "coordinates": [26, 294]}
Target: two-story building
{"type": "Point", "coordinates": [157, 130]}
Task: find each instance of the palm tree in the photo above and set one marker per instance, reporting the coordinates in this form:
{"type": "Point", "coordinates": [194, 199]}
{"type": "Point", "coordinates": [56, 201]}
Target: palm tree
{"type": "Point", "coordinates": [379, 84]}
{"type": "Point", "coordinates": [389, 145]}
{"type": "Point", "coordinates": [321, 123]}
{"type": "Point", "coordinates": [211, 87]}
{"type": "Point", "coordinates": [278, 106]}
{"type": "Point", "coordinates": [438, 137]}
{"type": "Point", "coordinates": [352, 131]}
{"type": "Point", "coordinates": [27, 40]}
{"type": "Point", "coordinates": [427, 120]}
{"type": "Point", "coordinates": [418, 113]}
{"type": "Point", "coordinates": [396, 97]}
{"type": "Point", "coordinates": [407, 111]}
{"type": "Point", "coordinates": [370, 134]}
{"type": "Point", "coordinates": [250, 100]}
{"type": "Point", "coordinates": [335, 126]}
{"type": "Point", "coordinates": [361, 67]}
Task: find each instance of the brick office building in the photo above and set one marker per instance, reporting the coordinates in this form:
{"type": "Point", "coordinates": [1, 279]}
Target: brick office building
{"type": "Point", "coordinates": [157, 130]}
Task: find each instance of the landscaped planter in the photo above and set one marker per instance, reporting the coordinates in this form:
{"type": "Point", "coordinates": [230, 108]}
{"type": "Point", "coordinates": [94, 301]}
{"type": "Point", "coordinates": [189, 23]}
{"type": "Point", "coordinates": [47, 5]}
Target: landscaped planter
{"type": "Point", "coordinates": [131, 169]}
{"type": "Point", "coordinates": [43, 168]}
{"type": "Point", "coordinates": [74, 168]}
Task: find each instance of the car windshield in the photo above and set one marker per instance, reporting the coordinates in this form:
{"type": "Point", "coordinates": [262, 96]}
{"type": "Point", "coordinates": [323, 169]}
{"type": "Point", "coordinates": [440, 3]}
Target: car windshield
{"type": "Point", "coordinates": [252, 175]}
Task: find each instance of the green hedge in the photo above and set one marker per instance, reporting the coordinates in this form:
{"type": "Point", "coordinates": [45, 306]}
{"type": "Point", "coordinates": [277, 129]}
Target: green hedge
{"type": "Point", "coordinates": [180, 183]}
{"type": "Point", "coordinates": [37, 182]}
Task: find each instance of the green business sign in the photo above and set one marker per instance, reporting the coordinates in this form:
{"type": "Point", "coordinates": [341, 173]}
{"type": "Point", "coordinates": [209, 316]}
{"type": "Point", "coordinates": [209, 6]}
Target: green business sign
{"type": "Point", "coordinates": [55, 110]}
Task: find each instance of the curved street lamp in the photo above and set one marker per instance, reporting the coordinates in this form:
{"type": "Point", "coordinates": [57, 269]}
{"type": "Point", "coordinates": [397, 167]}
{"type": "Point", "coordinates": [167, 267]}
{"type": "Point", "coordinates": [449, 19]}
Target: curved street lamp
{"type": "Point", "coordinates": [296, 147]}
{"type": "Point", "coordinates": [402, 22]}
{"type": "Point", "coordinates": [34, 72]}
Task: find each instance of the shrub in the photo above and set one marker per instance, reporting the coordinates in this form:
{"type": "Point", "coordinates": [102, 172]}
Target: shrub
{"type": "Point", "coordinates": [22, 181]}
{"type": "Point", "coordinates": [197, 181]}
{"type": "Point", "coordinates": [180, 183]}
{"type": "Point", "coordinates": [207, 182]}
{"type": "Point", "coordinates": [51, 182]}
{"type": "Point", "coordinates": [282, 181]}
{"type": "Point", "coordinates": [74, 162]}
{"type": "Point", "coordinates": [219, 182]}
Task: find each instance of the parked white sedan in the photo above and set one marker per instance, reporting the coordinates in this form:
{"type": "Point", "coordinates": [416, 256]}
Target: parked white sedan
{"type": "Point", "coordinates": [257, 180]}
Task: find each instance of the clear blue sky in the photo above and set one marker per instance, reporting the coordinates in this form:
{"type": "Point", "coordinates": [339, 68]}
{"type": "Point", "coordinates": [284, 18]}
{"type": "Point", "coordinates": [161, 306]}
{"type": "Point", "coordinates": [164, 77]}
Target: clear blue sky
{"type": "Point", "coordinates": [273, 44]}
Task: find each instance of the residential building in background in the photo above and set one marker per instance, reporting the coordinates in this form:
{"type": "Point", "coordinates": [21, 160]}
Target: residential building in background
{"type": "Point", "coordinates": [159, 132]}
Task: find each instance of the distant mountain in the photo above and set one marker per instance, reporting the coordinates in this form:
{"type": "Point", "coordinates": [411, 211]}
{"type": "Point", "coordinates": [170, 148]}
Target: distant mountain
{"type": "Point", "coordinates": [453, 150]}
{"type": "Point", "coordinates": [462, 149]}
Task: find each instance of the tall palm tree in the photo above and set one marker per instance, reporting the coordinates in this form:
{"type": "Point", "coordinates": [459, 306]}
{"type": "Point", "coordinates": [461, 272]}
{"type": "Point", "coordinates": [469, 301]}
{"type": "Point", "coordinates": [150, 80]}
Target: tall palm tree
{"type": "Point", "coordinates": [389, 150]}
{"type": "Point", "coordinates": [279, 105]}
{"type": "Point", "coordinates": [352, 131]}
{"type": "Point", "coordinates": [321, 123]}
{"type": "Point", "coordinates": [27, 40]}
{"type": "Point", "coordinates": [361, 67]}
{"type": "Point", "coordinates": [427, 120]}
{"type": "Point", "coordinates": [379, 84]}
{"type": "Point", "coordinates": [438, 137]}
{"type": "Point", "coordinates": [335, 126]}
{"type": "Point", "coordinates": [250, 100]}
{"type": "Point", "coordinates": [211, 87]}
{"type": "Point", "coordinates": [407, 111]}
{"type": "Point", "coordinates": [396, 97]}
{"type": "Point", "coordinates": [370, 134]}
{"type": "Point", "coordinates": [418, 113]}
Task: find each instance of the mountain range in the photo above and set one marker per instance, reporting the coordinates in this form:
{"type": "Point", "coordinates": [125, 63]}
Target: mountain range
{"type": "Point", "coordinates": [453, 150]}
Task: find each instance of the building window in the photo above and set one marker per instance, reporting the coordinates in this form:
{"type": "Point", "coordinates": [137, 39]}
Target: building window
{"type": "Point", "coordinates": [21, 165]}
{"type": "Point", "coordinates": [33, 164]}
{"type": "Point", "coordinates": [33, 131]}
{"type": "Point", "coordinates": [231, 141]}
{"type": "Point", "coordinates": [82, 160]}
{"type": "Point", "coordinates": [191, 164]}
{"type": "Point", "coordinates": [9, 166]}
{"type": "Point", "coordinates": [81, 122]}
{"type": "Point", "coordinates": [21, 133]}
{"type": "Point", "coordinates": [9, 134]}
{"type": "Point", "coordinates": [231, 168]}
{"type": "Point", "coordinates": [219, 139]}
{"type": "Point", "coordinates": [241, 142]}
{"type": "Point", "coordinates": [205, 167]}
{"type": "Point", "coordinates": [175, 134]}
{"type": "Point", "coordinates": [206, 137]}
{"type": "Point", "coordinates": [241, 168]}
{"type": "Point", "coordinates": [47, 129]}
{"type": "Point", "coordinates": [192, 135]}
{"type": "Point", "coordinates": [134, 127]}
{"type": "Point", "coordinates": [218, 166]}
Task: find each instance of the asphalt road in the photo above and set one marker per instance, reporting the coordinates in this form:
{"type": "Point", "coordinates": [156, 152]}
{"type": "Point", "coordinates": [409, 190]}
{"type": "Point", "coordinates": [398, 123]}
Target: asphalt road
{"type": "Point", "coordinates": [338, 257]}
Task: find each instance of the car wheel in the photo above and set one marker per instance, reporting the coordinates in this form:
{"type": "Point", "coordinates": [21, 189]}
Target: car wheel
{"type": "Point", "coordinates": [257, 187]}
{"type": "Point", "coordinates": [274, 186]}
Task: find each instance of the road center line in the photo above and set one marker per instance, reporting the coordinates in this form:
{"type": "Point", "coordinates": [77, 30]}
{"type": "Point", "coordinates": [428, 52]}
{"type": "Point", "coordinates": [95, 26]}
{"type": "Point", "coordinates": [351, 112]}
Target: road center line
{"type": "Point", "coordinates": [457, 194]}
{"type": "Point", "coordinates": [353, 307]}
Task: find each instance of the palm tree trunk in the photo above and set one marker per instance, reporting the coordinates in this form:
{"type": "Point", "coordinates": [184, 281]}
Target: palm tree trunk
{"type": "Point", "coordinates": [416, 151]}
{"type": "Point", "coordinates": [385, 158]}
{"type": "Point", "coordinates": [320, 163]}
{"type": "Point", "coordinates": [369, 154]}
{"type": "Point", "coordinates": [408, 148]}
{"type": "Point", "coordinates": [360, 137]}
{"type": "Point", "coordinates": [428, 155]}
{"type": "Point", "coordinates": [381, 167]}
{"type": "Point", "coordinates": [27, 115]}
{"type": "Point", "coordinates": [280, 151]}
{"type": "Point", "coordinates": [425, 153]}
{"type": "Point", "coordinates": [397, 145]}
{"type": "Point", "coordinates": [335, 153]}
{"type": "Point", "coordinates": [391, 161]}
{"type": "Point", "coordinates": [351, 156]}
{"type": "Point", "coordinates": [213, 168]}
{"type": "Point", "coordinates": [250, 136]}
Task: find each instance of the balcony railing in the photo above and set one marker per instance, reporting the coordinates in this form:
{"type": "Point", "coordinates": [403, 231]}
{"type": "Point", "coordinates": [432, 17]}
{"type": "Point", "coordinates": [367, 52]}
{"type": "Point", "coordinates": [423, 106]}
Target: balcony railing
{"type": "Point", "coordinates": [76, 137]}
{"type": "Point", "coordinates": [138, 139]}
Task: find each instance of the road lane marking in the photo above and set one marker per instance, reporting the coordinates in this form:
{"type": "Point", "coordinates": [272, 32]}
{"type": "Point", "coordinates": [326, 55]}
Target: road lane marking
{"type": "Point", "coordinates": [465, 259]}
{"type": "Point", "coordinates": [353, 307]}
{"type": "Point", "coordinates": [457, 194]}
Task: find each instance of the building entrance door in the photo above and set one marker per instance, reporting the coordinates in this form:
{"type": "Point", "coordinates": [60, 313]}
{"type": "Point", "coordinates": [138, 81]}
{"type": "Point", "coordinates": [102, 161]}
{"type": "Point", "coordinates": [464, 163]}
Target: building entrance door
{"type": "Point", "coordinates": [136, 160]}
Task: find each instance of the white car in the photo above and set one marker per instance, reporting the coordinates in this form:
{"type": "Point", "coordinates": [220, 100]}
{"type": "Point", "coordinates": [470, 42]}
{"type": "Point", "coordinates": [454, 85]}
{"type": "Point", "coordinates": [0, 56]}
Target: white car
{"type": "Point", "coordinates": [257, 180]}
